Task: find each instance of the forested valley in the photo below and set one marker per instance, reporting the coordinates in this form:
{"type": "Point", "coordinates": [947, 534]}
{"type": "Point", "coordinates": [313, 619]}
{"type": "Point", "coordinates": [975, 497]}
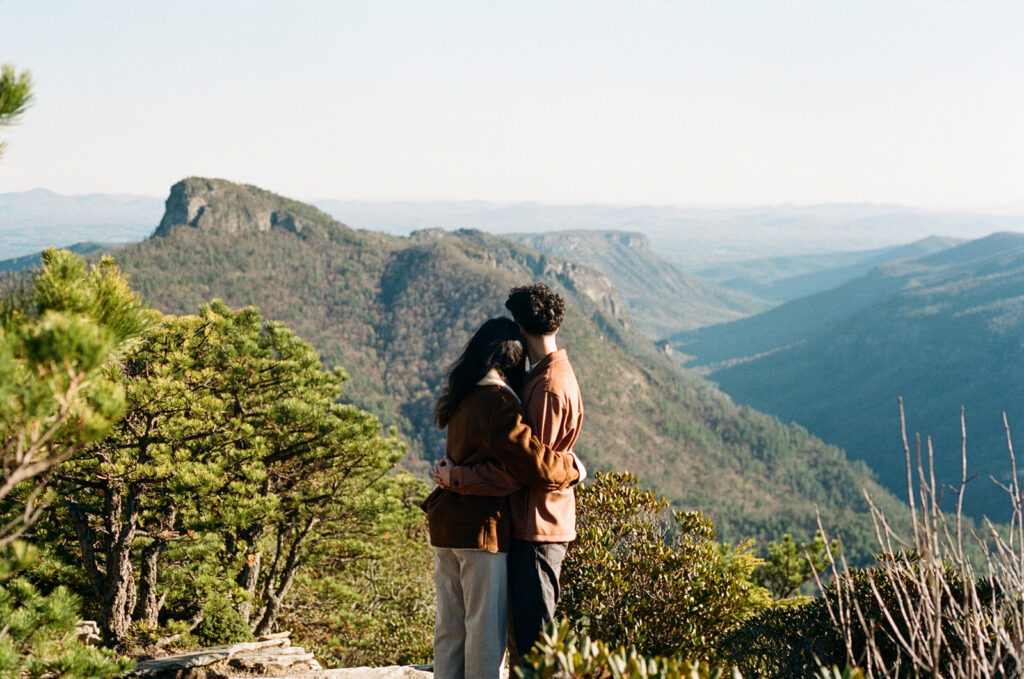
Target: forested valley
{"type": "Point", "coordinates": [224, 434]}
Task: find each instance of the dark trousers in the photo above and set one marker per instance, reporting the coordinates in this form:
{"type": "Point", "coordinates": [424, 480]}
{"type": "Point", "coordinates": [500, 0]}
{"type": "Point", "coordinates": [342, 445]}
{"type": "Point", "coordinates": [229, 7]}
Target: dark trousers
{"type": "Point", "coordinates": [533, 572]}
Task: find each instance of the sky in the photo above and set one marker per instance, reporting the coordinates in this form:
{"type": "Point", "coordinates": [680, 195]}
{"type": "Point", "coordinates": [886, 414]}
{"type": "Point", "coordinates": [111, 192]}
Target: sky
{"type": "Point", "coordinates": [715, 103]}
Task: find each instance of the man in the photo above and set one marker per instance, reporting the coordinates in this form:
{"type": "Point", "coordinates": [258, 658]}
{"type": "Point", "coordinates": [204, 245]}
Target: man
{"type": "Point", "coordinates": [543, 522]}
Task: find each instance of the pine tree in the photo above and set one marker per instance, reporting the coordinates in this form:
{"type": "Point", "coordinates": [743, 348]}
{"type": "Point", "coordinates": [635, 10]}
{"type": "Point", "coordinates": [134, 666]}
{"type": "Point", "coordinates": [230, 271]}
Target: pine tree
{"type": "Point", "coordinates": [232, 463]}
{"type": "Point", "coordinates": [15, 97]}
{"type": "Point", "coordinates": [789, 564]}
{"type": "Point", "coordinates": [58, 339]}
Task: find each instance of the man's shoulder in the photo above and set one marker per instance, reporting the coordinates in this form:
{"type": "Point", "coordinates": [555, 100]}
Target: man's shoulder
{"type": "Point", "coordinates": [557, 380]}
{"type": "Point", "coordinates": [552, 366]}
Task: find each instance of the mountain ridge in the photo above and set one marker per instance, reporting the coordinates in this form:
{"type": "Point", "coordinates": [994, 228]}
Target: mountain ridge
{"type": "Point", "coordinates": [393, 311]}
{"type": "Point", "coordinates": [660, 297]}
{"type": "Point", "coordinates": [784, 279]}
{"type": "Point", "coordinates": [941, 331]}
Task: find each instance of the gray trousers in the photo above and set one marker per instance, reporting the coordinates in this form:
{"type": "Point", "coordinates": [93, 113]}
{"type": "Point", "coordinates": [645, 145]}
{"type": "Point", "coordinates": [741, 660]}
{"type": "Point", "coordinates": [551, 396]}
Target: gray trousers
{"type": "Point", "coordinates": [533, 572]}
{"type": "Point", "coordinates": [472, 613]}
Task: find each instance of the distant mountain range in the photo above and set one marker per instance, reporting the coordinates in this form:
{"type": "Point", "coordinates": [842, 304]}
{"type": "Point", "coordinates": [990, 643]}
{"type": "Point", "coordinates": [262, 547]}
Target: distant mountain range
{"type": "Point", "coordinates": [33, 220]}
{"type": "Point", "coordinates": [395, 311]}
{"type": "Point", "coordinates": [938, 328]}
{"type": "Point", "coordinates": [942, 330]}
{"type": "Point", "coordinates": [693, 238]}
{"type": "Point", "coordinates": [33, 260]}
{"type": "Point", "coordinates": [781, 279]}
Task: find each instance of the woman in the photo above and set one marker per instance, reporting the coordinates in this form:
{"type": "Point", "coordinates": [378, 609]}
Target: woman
{"type": "Point", "coordinates": [471, 533]}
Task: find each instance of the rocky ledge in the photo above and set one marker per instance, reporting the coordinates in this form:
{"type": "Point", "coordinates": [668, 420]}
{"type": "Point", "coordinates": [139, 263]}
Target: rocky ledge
{"type": "Point", "coordinates": [269, 656]}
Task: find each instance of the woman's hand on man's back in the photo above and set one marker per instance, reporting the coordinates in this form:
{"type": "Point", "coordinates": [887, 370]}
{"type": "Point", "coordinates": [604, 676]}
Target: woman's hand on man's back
{"type": "Point", "coordinates": [442, 472]}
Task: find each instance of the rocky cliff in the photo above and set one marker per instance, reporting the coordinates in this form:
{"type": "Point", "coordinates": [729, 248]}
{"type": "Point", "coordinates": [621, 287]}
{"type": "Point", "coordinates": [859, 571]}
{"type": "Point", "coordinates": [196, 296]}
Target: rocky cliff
{"type": "Point", "coordinates": [658, 296]}
{"type": "Point", "coordinates": [217, 204]}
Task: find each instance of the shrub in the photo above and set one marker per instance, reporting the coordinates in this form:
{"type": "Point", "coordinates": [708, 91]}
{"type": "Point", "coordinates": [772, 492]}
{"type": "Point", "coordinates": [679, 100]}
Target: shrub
{"type": "Point", "coordinates": [641, 575]}
{"type": "Point", "coordinates": [563, 653]}
{"type": "Point", "coordinates": [790, 564]}
{"type": "Point", "coordinates": [221, 624]}
{"type": "Point", "coordinates": [792, 641]}
{"type": "Point", "coordinates": [370, 601]}
{"type": "Point", "coordinates": [785, 642]}
{"type": "Point", "coordinates": [930, 608]}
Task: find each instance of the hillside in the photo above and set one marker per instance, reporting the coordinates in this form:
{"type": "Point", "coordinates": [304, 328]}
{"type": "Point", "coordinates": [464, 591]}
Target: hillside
{"type": "Point", "coordinates": [659, 297]}
{"type": "Point", "coordinates": [941, 330]}
{"type": "Point", "coordinates": [395, 311]}
{"type": "Point", "coordinates": [782, 279]}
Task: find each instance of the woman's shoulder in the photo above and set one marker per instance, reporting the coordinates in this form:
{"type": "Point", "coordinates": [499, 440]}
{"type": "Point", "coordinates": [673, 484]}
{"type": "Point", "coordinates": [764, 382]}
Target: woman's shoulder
{"type": "Point", "coordinates": [486, 407]}
{"type": "Point", "coordinates": [492, 392]}
{"type": "Point", "coordinates": [491, 397]}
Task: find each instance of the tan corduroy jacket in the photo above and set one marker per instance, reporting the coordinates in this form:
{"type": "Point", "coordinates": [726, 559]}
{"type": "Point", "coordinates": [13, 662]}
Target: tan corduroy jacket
{"type": "Point", "coordinates": [489, 426]}
{"type": "Point", "coordinates": [554, 409]}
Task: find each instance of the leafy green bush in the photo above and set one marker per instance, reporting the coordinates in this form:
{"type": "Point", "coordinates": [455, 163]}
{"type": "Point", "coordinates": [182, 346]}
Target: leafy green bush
{"type": "Point", "coordinates": [791, 564]}
{"type": "Point", "coordinates": [643, 576]}
{"type": "Point", "coordinates": [221, 624]}
{"type": "Point", "coordinates": [561, 652]}
{"type": "Point", "coordinates": [785, 642]}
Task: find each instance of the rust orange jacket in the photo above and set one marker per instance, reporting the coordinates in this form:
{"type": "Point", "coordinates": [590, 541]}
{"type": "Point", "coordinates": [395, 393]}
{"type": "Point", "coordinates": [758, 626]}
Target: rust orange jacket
{"type": "Point", "coordinates": [489, 427]}
{"type": "Point", "coordinates": [554, 409]}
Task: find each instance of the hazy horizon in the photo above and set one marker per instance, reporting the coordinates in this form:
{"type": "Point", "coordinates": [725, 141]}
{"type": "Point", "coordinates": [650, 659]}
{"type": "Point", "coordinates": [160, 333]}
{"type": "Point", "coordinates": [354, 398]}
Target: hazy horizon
{"type": "Point", "coordinates": [691, 237]}
{"type": "Point", "coordinates": [1012, 208]}
{"type": "Point", "coordinates": [730, 104]}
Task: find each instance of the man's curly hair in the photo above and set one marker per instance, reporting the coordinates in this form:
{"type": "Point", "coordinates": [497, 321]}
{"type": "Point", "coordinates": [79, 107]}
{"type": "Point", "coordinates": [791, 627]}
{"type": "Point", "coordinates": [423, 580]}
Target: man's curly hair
{"type": "Point", "coordinates": [537, 308]}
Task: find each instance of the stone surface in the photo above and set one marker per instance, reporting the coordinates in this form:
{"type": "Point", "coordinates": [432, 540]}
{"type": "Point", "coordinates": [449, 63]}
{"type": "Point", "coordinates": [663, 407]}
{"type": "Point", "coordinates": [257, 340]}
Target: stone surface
{"type": "Point", "coordinates": [270, 655]}
{"type": "Point", "coordinates": [88, 632]}
{"type": "Point", "coordinates": [392, 672]}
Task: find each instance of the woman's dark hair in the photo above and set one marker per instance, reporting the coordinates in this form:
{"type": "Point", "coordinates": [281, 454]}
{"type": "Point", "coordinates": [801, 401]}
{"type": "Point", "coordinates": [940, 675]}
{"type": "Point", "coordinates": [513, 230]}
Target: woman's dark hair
{"type": "Point", "coordinates": [497, 344]}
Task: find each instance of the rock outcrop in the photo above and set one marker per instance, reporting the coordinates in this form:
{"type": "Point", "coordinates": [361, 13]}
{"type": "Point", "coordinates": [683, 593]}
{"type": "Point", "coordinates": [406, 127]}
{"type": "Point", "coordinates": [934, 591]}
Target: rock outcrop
{"type": "Point", "coordinates": [578, 278]}
{"type": "Point", "coordinates": [656, 295]}
{"type": "Point", "coordinates": [392, 672]}
{"type": "Point", "coordinates": [217, 204]}
{"type": "Point", "coordinates": [271, 655]}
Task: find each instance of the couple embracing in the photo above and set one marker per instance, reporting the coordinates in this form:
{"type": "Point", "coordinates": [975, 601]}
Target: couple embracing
{"type": "Point", "coordinates": [504, 510]}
